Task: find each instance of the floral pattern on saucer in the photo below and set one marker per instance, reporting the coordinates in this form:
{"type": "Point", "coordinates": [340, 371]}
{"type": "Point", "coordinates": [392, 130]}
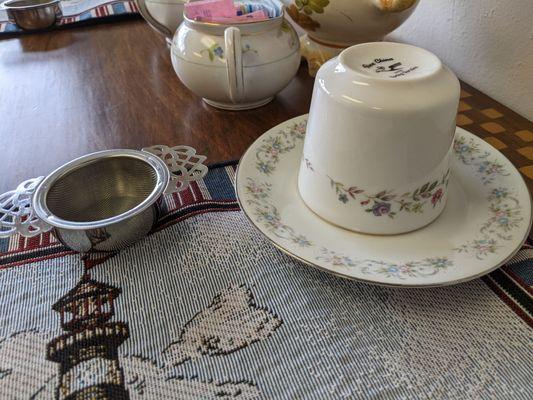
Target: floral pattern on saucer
{"type": "Point", "coordinates": [501, 216]}
{"type": "Point", "coordinates": [276, 145]}
{"type": "Point", "coordinates": [505, 215]}
{"type": "Point", "coordinates": [268, 215]}
{"type": "Point", "coordinates": [388, 203]}
{"type": "Point", "coordinates": [469, 153]}
{"type": "Point", "coordinates": [425, 267]}
{"type": "Point", "coordinates": [505, 209]}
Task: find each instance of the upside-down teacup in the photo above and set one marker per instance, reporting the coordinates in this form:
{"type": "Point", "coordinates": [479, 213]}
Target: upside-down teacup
{"type": "Point", "coordinates": [239, 66]}
{"type": "Point", "coordinates": [379, 135]}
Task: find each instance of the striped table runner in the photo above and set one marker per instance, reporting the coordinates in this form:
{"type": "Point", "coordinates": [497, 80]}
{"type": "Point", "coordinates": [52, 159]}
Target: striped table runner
{"type": "Point", "coordinates": [94, 9]}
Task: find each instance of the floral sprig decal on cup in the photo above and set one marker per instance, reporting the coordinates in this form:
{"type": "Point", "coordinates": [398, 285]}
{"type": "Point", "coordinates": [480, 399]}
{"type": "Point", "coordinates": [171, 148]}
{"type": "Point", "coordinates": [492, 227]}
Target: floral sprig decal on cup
{"type": "Point", "coordinates": [388, 203]}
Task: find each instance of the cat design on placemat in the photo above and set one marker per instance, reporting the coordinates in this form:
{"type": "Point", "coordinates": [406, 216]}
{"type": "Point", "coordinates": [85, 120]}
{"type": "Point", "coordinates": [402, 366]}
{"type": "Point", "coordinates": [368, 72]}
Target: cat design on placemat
{"type": "Point", "coordinates": [232, 321]}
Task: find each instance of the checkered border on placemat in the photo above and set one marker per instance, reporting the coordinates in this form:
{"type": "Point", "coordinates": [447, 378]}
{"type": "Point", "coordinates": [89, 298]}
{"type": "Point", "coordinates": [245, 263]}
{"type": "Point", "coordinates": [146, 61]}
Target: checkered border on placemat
{"type": "Point", "coordinates": [513, 283]}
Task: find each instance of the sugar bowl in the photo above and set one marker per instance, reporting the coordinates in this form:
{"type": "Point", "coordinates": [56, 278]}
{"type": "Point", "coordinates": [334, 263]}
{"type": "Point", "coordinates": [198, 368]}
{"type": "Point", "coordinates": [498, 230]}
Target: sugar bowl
{"type": "Point", "coordinates": [238, 66]}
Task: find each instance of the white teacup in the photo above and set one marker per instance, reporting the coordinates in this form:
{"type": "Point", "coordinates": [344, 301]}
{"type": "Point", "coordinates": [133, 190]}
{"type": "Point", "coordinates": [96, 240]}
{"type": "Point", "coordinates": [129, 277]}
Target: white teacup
{"type": "Point", "coordinates": [239, 66]}
{"type": "Point", "coordinates": [379, 138]}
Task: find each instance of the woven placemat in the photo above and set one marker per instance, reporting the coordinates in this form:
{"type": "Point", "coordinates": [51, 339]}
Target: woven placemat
{"type": "Point", "coordinates": [206, 308]}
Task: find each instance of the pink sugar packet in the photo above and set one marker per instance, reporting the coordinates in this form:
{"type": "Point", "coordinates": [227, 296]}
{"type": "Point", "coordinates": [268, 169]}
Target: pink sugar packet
{"type": "Point", "coordinates": [259, 15]}
{"type": "Point", "coordinates": [210, 9]}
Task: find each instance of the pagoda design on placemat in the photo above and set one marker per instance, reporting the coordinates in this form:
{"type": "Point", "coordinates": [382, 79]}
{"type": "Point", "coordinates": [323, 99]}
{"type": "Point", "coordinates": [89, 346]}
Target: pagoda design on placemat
{"type": "Point", "coordinates": [88, 353]}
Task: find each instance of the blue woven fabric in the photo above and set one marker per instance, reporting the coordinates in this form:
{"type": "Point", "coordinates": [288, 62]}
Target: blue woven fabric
{"type": "Point", "coordinates": [207, 309]}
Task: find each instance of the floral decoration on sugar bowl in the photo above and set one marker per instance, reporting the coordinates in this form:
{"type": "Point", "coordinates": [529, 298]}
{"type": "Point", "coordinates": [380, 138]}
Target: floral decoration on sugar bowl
{"type": "Point", "coordinates": [268, 154]}
{"type": "Point", "coordinates": [388, 203]}
{"type": "Point", "coordinates": [269, 216]}
{"type": "Point", "coordinates": [410, 269]}
{"type": "Point", "coordinates": [215, 51]}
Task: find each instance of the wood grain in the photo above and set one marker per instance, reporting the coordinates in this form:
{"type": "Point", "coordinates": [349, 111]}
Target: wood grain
{"type": "Point", "coordinates": [71, 92]}
{"type": "Point", "coordinates": [67, 93]}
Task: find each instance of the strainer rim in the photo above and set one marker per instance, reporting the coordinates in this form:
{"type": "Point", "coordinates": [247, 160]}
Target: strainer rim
{"type": "Point", "coordinates": [44, 213]}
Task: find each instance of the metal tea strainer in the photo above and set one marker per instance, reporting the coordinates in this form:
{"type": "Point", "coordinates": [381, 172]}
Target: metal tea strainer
{"type": "Point", "coordinates": [103, 201]}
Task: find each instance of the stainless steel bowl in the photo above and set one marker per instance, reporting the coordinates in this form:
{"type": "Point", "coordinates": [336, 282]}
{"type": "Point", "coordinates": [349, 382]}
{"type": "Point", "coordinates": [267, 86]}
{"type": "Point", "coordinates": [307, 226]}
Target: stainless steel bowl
{"type": "Point", "coordinates": [33, 14]}
{"type": "Point", "coordinates": [104, 201]}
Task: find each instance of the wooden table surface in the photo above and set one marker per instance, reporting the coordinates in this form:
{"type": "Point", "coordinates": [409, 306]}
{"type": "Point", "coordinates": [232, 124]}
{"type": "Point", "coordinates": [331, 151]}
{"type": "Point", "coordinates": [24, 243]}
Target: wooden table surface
{"type": "Point", "coordinates": [67, 93]}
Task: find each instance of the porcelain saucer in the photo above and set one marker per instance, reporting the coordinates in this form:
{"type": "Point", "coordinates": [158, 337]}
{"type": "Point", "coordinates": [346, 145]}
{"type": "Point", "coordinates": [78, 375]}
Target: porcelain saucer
{"type": "Point", "coordinates": [485, 222]}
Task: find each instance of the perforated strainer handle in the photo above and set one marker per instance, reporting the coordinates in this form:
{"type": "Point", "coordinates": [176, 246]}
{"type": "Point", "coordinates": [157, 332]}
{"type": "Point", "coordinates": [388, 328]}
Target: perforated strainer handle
{"type": "Point", "coordinates": [183, 163]}
{"type": "Point", "coordinates": [17, 215]}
